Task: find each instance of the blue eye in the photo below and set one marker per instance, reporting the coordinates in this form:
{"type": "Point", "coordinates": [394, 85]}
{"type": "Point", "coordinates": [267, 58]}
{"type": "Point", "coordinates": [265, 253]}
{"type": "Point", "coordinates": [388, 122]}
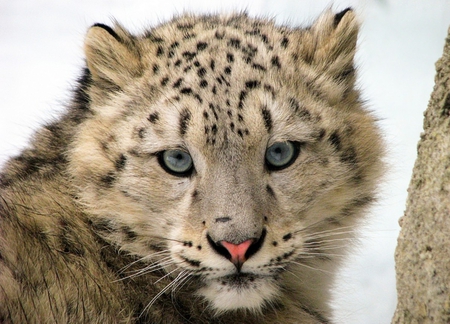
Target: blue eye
{"type": "Point", "coordinates": [281, 155]}
{"type": "Point", "coordinates": [176, 162]}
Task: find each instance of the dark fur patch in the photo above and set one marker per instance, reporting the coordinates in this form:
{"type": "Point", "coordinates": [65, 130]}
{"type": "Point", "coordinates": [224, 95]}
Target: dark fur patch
{"type": "Point", "coordinates": [276, 62]}
{"type": "Point", "coordinates": [338, 17]}
{"type": "Point", "coordinates": [252, 84]}
{"type": "Point", "coordinates": [287, 237]}
{"type": "Point", "coordinates": [185, 117]}
{"type": "Point", "coordinates": [234, 42]}
{"type": "Point", "coordinates": [227, 70]}
{"type": "Point", "coordinates": [230, 58]}
{"type": "Point", "coordinates": [203, 84]}
{"type": "Point", "coordinates": [108, 179]}
{"type": "Point", "coordinates": [201, 72]}
{"type": "Point", "coordinates": [130, 235]}
{"type": "Point", "coordinates": [267, 117]}
{"type": "Point", "coordinates": [189, 56]}
{"type": "Point", "coordinates": [284, 42]}
{"type": "Point", "coordinates": [242, 97]}
{"type": "Point", "coordinates": [259, 67]}
{"type": "Point", "coordinates": [153, 117]}
{"type": "Point", "coordinates": [201, 46]}
{"type": "Point", "coordinates": [335, 140]}
{"type": "Point", "coordinates": [164, 81]}
{"type": "Point", "coordinates": [270, 190]}
{"type": "Point", "coordinates": [120, 162]}
{"type": "Point", "coordinates": [177, 83]}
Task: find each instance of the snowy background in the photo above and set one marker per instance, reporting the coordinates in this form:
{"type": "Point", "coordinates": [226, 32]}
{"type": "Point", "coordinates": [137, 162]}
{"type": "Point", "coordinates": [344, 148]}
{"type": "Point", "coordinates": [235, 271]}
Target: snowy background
{"type": "Point", "coordinates": [41, 55]}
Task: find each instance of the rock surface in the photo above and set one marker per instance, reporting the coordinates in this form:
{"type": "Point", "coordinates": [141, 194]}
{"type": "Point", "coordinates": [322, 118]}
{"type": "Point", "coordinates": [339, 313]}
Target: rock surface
{"type": "Point", "coordinates": [423, 251]}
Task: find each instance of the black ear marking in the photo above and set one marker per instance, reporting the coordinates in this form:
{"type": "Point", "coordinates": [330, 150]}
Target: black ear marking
{"type": "Point", "coordinates": [338, 17]}
{"type": "Point", "coordinates": [109, 30]}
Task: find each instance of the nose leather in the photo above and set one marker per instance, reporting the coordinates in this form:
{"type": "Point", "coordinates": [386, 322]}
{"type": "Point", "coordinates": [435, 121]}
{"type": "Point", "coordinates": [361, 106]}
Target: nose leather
{"type": "Point", "coordinates": [237, 251]}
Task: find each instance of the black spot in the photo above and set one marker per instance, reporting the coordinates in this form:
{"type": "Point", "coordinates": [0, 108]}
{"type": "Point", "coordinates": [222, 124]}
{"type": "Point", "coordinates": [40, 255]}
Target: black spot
{"type": "Point", "coordinates": [212, 65]}
{"type": "Point", "coordinates": [240, 133]}
{"type": "Point", "coordinates": [214, 90]}
{"type": "Point", "coordinates": [155, 68]}
{"type": "Point", "coordinates": [232, 126]}
{"type": "Point", "coordinates": [230, 58]}
{"type": "Point", "coordinates": [187, 68]}
{"type": "Point", "coordinates": [227, 102]}
{"type": "Point", "coordinates": [205, 114]}
{"type": "Point", "coordinates": [274, 243]}
{"type": "Point", "coordinates": [193, 263]}
{"type": "Point", "coordinates": [242, 97]}
{"type": "Point", "coordinates": [201, 46]}
{"type": "Point", "coordinates": [189, 56]}
{"type": "Point", "coordinates": [287, 237]}
{"type": "Point", "coordinates": [199, 247]}
{"type": "Point", "coordinates": [259, 67]}
{"type": "Point", "coordinates": [159, 51]}
{"type": "Point", "coordinates": [264, 38]}
{"type": "Point", "coordinates": [267, 117]}
{"type": "Point", "coordinates": [178, 62]}
{"type": "Point", "coordinates": [153, 117]}
{"type": "Point", "coordinates": [229, 113]}
{"type": "Point", "coordinates": [164, 81]}
{"type": "Point", "coordinates": [284, 42]}
{"type": "Point", "coordinates": [174, 45]}
{"type": "Point", "coordinates": [108, 179]}
{"type": "Point", "coordinates": [234, 42]}
{"type": "Point", "coordinates": [195, 194]}
{"type": "Point", "coordinates": [203, 84]}
{"type": "Point", "coordinates": [201, 72]}
{"type": "Point", "coordinates": [338, 17]}
{"type": "Point", "coordinates": [227, 70]}
{"type": "Point", "coordinates": [252, 84]}
{"type": "Point", "coordinates": [171, 53]}
{"type": "Point", "coordinates": [185, 117]}
{"type": "Point", "coordinates": [335, 140]}
{"type": "Point", "coordinates": [186, 91]}
{"type": "Point", "coordinates": [214, 129]}
{"type": "Point", "coordinates": [178, 83]}
{"type": "Point", "coordinates": [276, 62]}
{"type": "Point", "coordinates": [130, 235]}
{"type": "Point", "coordinates": [270, 191]}
{"type": "Point", "coordinates": [120, 162]}
{"type": "Point", "coordinates": [240, 118]}
{"type": "Point", "coordinates": [206, 130]}
{"type": "Point", "coordinates": [197, 96]}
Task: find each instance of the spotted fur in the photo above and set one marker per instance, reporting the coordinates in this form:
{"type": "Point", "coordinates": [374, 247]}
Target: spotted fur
{"type": "Point", "coordinates": [94, 228]}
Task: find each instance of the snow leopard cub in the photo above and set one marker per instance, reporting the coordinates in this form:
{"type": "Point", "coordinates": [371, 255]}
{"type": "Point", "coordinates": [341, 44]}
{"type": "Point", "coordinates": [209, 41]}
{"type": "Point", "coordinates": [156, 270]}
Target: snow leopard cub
{"type": "Point", "coordinates": [210, 170]}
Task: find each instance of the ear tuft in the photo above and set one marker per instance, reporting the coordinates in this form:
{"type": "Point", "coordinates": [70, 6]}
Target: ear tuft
{"type": "Point", "coordinates": [112, 56]}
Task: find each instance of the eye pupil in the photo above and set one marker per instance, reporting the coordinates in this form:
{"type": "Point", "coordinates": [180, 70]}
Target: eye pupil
{"type": "Point", "coordinates": [176, 162]}
{"type": "Point", "coordinates": [281, 155]}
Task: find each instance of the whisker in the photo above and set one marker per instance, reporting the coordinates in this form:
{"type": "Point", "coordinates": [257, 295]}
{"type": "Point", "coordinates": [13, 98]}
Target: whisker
{"type": "Point", "coordinates": [312, 268]}
{"type": "Point", "coordinates": [166, 288]}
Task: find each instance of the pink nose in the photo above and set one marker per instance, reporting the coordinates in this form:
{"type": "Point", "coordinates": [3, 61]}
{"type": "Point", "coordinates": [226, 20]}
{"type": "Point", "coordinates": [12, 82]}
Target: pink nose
{"type": "Point", "coordinates": [237, 252]}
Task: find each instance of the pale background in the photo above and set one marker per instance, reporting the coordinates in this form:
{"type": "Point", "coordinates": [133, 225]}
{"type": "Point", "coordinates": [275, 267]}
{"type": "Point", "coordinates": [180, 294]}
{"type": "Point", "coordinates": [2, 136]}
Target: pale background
{"type": "Point", "coordinates": [41, 55]}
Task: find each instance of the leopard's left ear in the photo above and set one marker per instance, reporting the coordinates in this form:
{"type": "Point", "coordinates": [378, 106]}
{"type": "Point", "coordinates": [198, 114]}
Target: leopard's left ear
{"type": "Point", "coordinates": [112, 56]}
{"type": "Point", "coordinates": [330, 44]}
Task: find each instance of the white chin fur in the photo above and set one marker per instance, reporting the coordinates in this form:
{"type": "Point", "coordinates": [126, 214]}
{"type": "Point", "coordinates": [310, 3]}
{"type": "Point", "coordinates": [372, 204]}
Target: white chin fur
{"type": "Point", "coordinates": [250, 297]}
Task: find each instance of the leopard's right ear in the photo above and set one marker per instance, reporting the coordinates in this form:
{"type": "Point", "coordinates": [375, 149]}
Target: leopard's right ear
{"type": "Point", "coordinates": [112, 56]}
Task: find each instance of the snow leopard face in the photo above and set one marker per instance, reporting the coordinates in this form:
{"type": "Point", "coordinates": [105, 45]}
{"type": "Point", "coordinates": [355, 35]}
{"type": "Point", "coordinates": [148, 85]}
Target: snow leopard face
{"type": "Point", "coordinates": [230, 154]}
